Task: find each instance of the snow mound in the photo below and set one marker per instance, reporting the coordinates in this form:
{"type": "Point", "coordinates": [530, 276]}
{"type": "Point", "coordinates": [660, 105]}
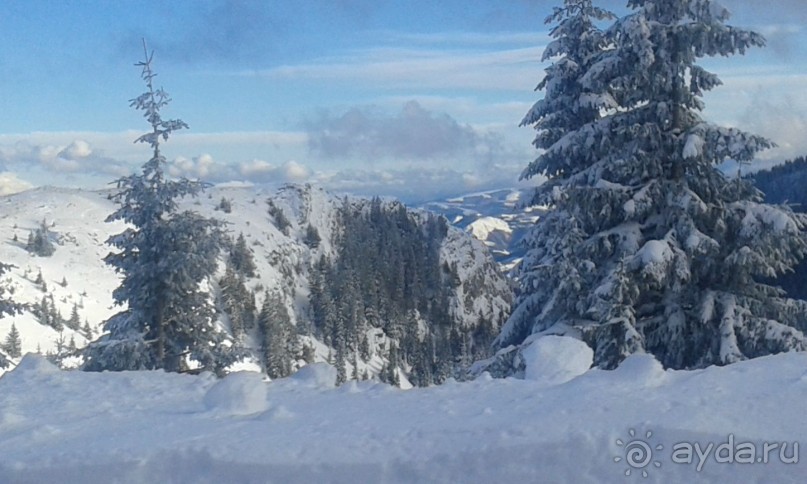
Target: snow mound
{"type": "Point", "coordinates": [239, 393]}
{"type": "Point", "coordinates": [34, 363]}
{"type": "Point", "coordinates": [556, 359]}
{"type": "Point", "coordinates": [642, 370]}
{"type": "Point", "coordinates": [316, 375]}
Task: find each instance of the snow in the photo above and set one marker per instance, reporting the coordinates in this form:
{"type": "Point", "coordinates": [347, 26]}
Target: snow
{"type": "Point", "coordinates": [80, 234]}
{"type": "Point", "coordinates": [693, 147]}
{"type": "Point", "coordinates": [484, 226]}
{"type": "Point", "coordinates": [759, 217]}
{"type": "Point", "coordinates": [239, 393]}
{"type": "Point", "coordinates": [642, 369]}
{"type": "Point", "coordinates": [134, 427]}
{"type": "Point", "coordinates": [556, 359]}
{"type": "Point", "coordinates": [316, 375]}
{"type": "Point", "coordinates": [654, 252]}
{"type": "Point", "coordinates": [629, 207]}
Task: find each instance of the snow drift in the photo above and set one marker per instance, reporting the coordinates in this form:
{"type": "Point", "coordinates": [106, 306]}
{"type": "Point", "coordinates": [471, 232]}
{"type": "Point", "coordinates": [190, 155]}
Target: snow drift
{"type": "Point", "coordinates": [135, 427]}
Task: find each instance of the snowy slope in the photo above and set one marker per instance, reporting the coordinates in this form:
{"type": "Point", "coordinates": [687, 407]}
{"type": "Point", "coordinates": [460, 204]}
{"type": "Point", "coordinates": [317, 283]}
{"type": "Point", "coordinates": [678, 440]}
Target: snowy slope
{"type": "Point", "coordinates": [282, 259]}
{"type": "Point", "coordinates": [485, 227]}
{"type": "Point", "coordinates": [75, 427]}
{"type": "Point", "coordinates": [79, 234]}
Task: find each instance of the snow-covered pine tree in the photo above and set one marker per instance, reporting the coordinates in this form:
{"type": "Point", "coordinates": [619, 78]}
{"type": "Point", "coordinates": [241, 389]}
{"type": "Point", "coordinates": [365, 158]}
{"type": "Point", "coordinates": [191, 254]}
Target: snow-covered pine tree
{"type": "Point", "coordinates": [550, 276]}
{"type": "Point", "coordinates": [164, 256]}
{"type": "Point", "coordinates": [241, 258]}
{"type": "Point", "coordinates": [339, 363]}
{"type": "Point", "coordinates": [7, 305]}
{"type": "Point", "coordinates": [237, 301]}
{"type": "Point", "coordinates": [661, 251]}
{"type": "Point", "coordinates": [39, 242]}
{"type": "Point", "coordinates": [276, 330]}
{"type": "Point", "coordinates": [13, 344]}
{"type": "Point", "coordinates": [87, 330]}
{"type": "Point", "coordinates": [74, 322]}
{"type": "Point", "coordinates": [225, 205]}
{"type": "Point", "coordinates": [311, 238]}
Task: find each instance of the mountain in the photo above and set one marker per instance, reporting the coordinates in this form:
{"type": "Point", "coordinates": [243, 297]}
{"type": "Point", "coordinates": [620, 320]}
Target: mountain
{"type": "Point", "coordinates": [784, 184]}
{"type": "Point", "coordinates": [446, 294]}
{"type": "Point", "coordinates": [499, 218]}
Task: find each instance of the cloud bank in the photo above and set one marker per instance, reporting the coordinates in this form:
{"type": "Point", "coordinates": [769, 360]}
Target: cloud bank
{"type": "Point", "coordinates": [413, 133]}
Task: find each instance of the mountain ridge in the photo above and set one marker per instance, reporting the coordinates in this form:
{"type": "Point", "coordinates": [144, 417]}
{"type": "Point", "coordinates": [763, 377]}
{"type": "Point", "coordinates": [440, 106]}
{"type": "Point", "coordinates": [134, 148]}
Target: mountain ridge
{"type": "Point", "coordinates": [75, 222]}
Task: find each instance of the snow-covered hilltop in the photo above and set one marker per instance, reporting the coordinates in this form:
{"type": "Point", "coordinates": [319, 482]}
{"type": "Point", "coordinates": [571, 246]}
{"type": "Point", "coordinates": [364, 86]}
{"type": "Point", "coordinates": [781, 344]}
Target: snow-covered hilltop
{"type": "Point", "coordinates": [288, 233]}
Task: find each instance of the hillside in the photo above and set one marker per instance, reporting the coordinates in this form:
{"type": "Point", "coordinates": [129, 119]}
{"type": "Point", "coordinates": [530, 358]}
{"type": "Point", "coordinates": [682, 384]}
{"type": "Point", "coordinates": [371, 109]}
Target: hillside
{"type": "Point", "coordinates": [285, 257]}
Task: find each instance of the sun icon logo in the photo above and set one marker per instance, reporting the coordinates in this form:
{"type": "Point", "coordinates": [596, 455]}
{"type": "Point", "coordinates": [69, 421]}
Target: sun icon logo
{"type": "Point", "coordinates": [638, 453]}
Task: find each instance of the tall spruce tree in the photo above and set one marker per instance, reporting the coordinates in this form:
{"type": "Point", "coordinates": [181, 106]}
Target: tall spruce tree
{"type": "Point", "coordinates": [241, 258]}
{"type": "Point", "coordinates": [649, 246]}
{"type": "Point", "coordinates": [13, 344]}
{"type": "Point", "coordinates": [164, 257]}
{"type": "Point", "coordinates": [277, 333]}
{"type": "Point", "coordinates": [237, 301]}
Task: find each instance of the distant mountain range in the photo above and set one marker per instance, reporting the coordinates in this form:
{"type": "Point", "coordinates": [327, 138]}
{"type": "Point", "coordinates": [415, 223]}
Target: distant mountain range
{"type": "Point", "coordinates": [499, 218]}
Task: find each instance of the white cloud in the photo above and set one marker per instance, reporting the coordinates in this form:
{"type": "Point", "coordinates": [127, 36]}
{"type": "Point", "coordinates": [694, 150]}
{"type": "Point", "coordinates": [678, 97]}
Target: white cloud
{"type": "Point", "coordinates": [199, 167]}
{"type": "Point", "coordinates": [260, 171]}
{"type": "Point", "coordinates": [256, 168]}
{"type": "Point", "coordinates": [11, 183]}
{"type": "Point", "coordinates": [783, 119]}
{"type": "Point", "coordinates": [481, 114]}
{"type": "Point", "coordinates": [256, 171]}
{"type": "Point", "coordinates": [295, 172]}
{"type": "Point", "coordinates": [510, 69]}
{"type": "Point", "coordinates": [75, 156]}
{"type": "Point", "coordinates": [471, 180]}
{"type": "Point", "coordinates": [412, 135]}
{"type": "Point", "coordinates": [77, 149]}
{"type": "Point", "coordinates": [262, 138]}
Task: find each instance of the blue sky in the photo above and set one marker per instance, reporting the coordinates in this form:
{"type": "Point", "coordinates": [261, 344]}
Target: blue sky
{"type": "Point", "coordinates": [419, 99]}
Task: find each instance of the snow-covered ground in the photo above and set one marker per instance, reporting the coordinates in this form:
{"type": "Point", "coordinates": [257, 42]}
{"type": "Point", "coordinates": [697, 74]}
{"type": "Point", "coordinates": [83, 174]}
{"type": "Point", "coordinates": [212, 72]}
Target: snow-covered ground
{"type": "Point", "coordinates": [63, 426]}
